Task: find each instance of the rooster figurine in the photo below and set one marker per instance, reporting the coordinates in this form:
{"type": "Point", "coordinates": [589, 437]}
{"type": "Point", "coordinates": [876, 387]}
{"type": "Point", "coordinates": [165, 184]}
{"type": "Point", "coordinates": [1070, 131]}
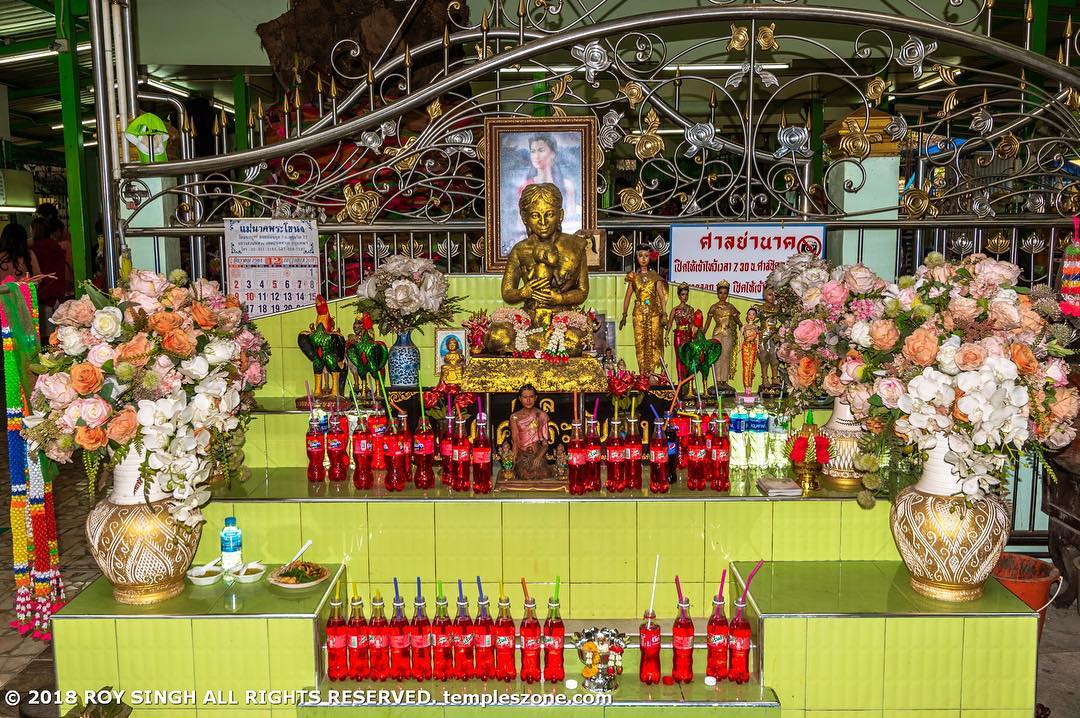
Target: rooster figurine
{"type": "Point", "coordinates": [366, 356]}
{"type": "Point", "coordinates": [324, 347]}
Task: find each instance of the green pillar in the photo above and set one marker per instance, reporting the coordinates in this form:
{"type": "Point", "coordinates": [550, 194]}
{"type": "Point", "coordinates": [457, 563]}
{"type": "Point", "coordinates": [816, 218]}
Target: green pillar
{"type": "Point", "coordinates": [82, 240]}
{"type": "Point", "coordinates": [817, 144]}
{"type": "Point", "coordinates": [241, 103]}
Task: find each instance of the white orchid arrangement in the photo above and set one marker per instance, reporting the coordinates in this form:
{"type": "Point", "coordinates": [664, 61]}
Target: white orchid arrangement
{"type": "Point", "coordinates": [155, 365]}
{"type": "Point", "coordinates": [405, 294]}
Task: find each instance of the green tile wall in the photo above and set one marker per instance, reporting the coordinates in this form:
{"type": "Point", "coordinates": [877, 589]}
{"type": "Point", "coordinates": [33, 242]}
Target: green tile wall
{"type": "Point", "coordinates": [154, 652]}
{"type": "Point", "coordinates": [338, 531]}
{"type": "Point", "coordinates": [226, 655]}
{"type": "Point", "coordinates": [806, 531]}
{"type": "Point", "coordinates": [924, 662]}
{"type": "Point", "coordinates": [88, 661]}
{"type": "Point", "coordinates": [271, 530]}
{"type": "Point", "coordinates": [999, 663]}
{"type": "Point", "coordinates": [784, 659]}
{"type": "Point", "coordinates": [844, 663]}
{"type": "Point", "coordinates": [676, 531]}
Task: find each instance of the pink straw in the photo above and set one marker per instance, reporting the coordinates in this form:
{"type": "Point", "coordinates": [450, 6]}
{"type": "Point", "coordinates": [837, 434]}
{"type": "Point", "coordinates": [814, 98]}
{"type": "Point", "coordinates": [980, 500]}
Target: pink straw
{"type": "Point", "coordinates": [678, 587]}
{"type": "Point", "coordinates": [596, 410]}
{"type": "Point", "coordinates": [479, 409]}
{"type": "Point", "coordinates": [723, 577]}
{"type": "Point", "coordinates": [746, 588]}
{"type": "Point", "coordinates": [310, 401]}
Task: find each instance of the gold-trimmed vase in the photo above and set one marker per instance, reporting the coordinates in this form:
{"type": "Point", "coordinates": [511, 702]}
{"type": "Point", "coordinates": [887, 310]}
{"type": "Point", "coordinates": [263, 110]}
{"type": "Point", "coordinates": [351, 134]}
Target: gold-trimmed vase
{"type": "Point", "coordinates": [139, 547]}
{"type": "Point", "coordinates": [948, 545]}
{"type": "Point", "coordinates": [843, 431]}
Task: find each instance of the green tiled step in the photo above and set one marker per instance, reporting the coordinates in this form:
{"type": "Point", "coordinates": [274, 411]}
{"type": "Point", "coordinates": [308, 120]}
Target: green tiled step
{"type": "Point", "coordinates": [725, 700]}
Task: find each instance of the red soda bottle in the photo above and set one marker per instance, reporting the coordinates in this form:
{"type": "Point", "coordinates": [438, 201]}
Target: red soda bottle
{"type": "Point", "coordinates": [394, 479]}
{"type": "Point", "coordinates": [682, 639]}
{"type": "Point", "coordinates": [377, 424]}
{"type": "Point", "coordinates": [400, 665]}
{"type": "Point", "coordinates": [404, 455]}
{"type": "Point", "coordinates": [484, 633]}
{"type": "Point", "coordinates": [505, 665]}
{"type": "Point", "coordinates": [463, 642]}
{"type": "Point", "coordinates": [695, 458]}
{"type": "Point", "coordinates": [424, 456]}
{"type": "Point", "coordinates": [446, 450]}
{"type": "Point", "coordinates": [481, 458]}
{"type": "Point", "coordinates": [575, 468]}
{"type": "Point", "coordinates": [708, 431]}
{"type": "Point", "coordinates": [615, 459]}
{"type": "Point", "coordinates": [443, 651]}
{"type": "Point", "coordinates": [530, 643]}
{"type": "Point", "coordinates": [315, 441]}
{"type": "Point", "coordinates": [633, 455]}
{"type": "Point", "coordinates": [554, 633]}
{"type": "Point", "coordinates": [460, 458]}
{"type": "Point", "coordinates": [337, 447]}
{"type": "Point", "coordinates": [361, 450]}
{"type": "Point", "coordinates": [594, 453]}
{"type": "Point", "coordinates": [739, 641]}
{"type": "Point", "coordinates": [682, 430]}
{"type": "Point", "coordinates": [358, 640]}
{"type": "Point", "coordinates": [378, 641]}
{"type": "Point", "coordinates": [658, 460]}
{"type": "Point", "coordinates": [337, 651]}
{"type": "Point", "coordinates": [421, 635]}
{"type": "Point", "coordinates": [721, 461]}
{"type": "Point", "coordinates": [649, 643]}
{"type": "Point", "coordinates": [716, 662]}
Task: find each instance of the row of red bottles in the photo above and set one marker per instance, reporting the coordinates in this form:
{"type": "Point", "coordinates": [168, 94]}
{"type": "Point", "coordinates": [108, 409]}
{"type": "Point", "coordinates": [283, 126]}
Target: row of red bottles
{"type": "Point", "coordinates": [439, 649]}
{"type": "Point", "coordinates": [622, 454]}
{"type": "Point", "coordinates": [727, 645]}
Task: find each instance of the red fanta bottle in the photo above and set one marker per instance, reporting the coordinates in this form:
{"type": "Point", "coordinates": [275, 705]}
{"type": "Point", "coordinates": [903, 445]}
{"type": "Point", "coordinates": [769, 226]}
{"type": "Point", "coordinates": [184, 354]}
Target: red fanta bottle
{"type": "Point", "coordinates": [424, 456]}
{"type": "Point", "coordinates": [481, 458]}
{"type": "Point", "coordinates": [554, 635]}
{"type": "Point", "coordinates": [505, 665]}
{"type": "Point", "coordinates": [594, 456]}
{"type": "Point", "coordinates": [337, 644]}
{"type": "Point", "coordinates": [530, 643]}
{"type": "Point", "coordinates": [464, 668]}
{"type": "Point", "coordinates": [405, 447]}
{"type": "Point", "coordinates": [400, 643]}
{"type": "Point", "coordinates": [377, 424]}
{"type": "Point", "coordinates": [695, 458]}
{"type": "Point", "coordinates": [682, 639]}
{"type": "Point", "coordinates": [337, 447]}
{"type": "Point", "coordinates": [395, 478]}
{"type": "Point", "coordinates": [575, 469]}
{"type": "Point", "coordinates": [484, 634]}
{"type": "Point", "coordinates": [739, 643]}
{"type": "Point", "coordinates": [361, 451]}
{"type": "Point", "coordinates": [716, 662]}
{"type": "Point", "coordinates": [378, 641]}
{"type": "Point", "coordinates": [446, 450]}
{"type": "Point", "coordinates": [442, 668]}
{"type": "Point", "coordinates": [649, 642]}
{"type": "Point", "coordinates": [658, 460]}
{"type": "Point", "coordinates": [634, 455]}
{"type": "Point", "coordinates": [460, 458]}
{"type": "Point", "coordinates": [615, 458]}
{"type": "Point", "coordinates": [358, 640]}
{"type": "Point", "coordinates": [315, 442]}
{"type": "Point", "coordinates": [421, 636]}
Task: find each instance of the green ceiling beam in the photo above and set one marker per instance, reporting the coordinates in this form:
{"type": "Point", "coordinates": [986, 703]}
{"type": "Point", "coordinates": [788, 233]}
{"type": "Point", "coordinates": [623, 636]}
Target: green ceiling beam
{"type": "Point", "coordinates": [38, 44]}
{"type": "Point", "coordinates": [43, 5]}
{"type": "Point", "coordinates": [25, 92]}
{"type": "Point", "coordinates": [79, 222]}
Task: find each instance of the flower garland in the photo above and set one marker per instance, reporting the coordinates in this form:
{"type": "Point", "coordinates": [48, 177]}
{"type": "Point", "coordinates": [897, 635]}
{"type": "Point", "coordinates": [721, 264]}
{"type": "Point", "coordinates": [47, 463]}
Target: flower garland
{"type": "Point", "coordinates": [36, 557]}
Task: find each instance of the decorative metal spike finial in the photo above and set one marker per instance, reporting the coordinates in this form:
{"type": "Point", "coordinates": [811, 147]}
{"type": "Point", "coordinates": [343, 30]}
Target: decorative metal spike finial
{"type": "Point", "coordinates": [216, 126]}
{"type": "Point", "coordinates": [318, 83]}
{"type": "Point", "coordinates": [1061, 55]}
{"type": "Point", "coordinates": [989, 4]}
{"type": "Point", "coordinates": [250, 118]}
{"type": "Point", "coordinates": [287, 107]}
{"type": "Point", "coordinates": [783, 118]}
{"type": "Point", "coordinates": [1023, 80]}
{"type": "Point", "coordinates": [521, 8]}
{"type": "Point", "coordinates": [678, 76]}
{"type": "Point", "coordinates": [985, 95]}
{"type": "Point", "coordinates": [446, 36]}
{"type": "Point", "coordinates": [712, 99]}
{"type": "Point", "coordinates": [296, 97]}
{"type": "Point", "coordinates": [408, 56]}
{"type": "Point", "coordinates": [1068, 28]}
{"type": "Point", "coordinates": [370, 74]}
{"type": "Point", "coordinates": [1029, 12]}
{"type": "Point", "coordinates": [333, 88]}
{"type": "Point", "coordinates": [484, 22]}
{"type": "Point", "coordinates": [259, 108]}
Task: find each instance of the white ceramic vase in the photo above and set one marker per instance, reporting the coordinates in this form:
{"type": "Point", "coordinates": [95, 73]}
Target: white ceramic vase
{"type": "Point", "coordinates": [844, 432]}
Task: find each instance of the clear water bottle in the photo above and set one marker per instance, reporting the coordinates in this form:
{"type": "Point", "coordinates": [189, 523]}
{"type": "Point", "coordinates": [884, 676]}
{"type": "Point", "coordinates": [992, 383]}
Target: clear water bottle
{"type": "Point", "coordinates": [232, 542]}
{"type": "Point", "coordinates": [740, 437]}
{"type": "Point", "coordinates": [758, 426]}
{"type": "Point", "coordinates": [778, 436]}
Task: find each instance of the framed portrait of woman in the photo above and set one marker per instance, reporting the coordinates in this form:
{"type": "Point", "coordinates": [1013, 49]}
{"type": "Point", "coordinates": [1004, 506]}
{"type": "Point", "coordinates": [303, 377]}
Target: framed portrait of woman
{"type": "Point", "coordinates": [520, 151]}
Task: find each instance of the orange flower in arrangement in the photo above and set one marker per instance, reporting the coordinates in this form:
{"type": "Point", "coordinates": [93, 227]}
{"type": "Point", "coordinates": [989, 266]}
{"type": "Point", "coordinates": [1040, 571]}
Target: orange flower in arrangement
{"type": "Point", "coordinates": [178, 343]}
{"type": "Point", "coordinates": [232, 301]}
{"type": "Point", "coordinates": [136, 351]}
{"type": "Point", "coordinates": [1023, 358]}
{"type": "Point", "coordinates": [204, 316]}
{"type": "Point", "coordinates": [86, 378]}
{"type": "Point", "coordinates": [164, 322]}
{"type": "Point", "coordinates": [123, 425]}
{"type": "Point", "coordinates": [90, 439]}
{"type": "Point", "coordinates": [957, 414]}
{"type": "Point", "coordinates": [806, 371]}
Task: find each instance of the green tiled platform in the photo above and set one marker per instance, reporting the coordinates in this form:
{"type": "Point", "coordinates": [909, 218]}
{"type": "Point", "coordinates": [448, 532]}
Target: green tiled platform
{"type": "Point", "coordinates": [852, 639]}
{"type": "Point", "coordinates": [213, 638]}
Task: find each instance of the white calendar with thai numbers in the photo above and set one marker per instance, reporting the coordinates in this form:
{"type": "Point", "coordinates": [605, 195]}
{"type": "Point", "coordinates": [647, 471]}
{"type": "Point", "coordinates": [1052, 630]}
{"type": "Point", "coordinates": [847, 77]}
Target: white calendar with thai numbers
{"type": "Point", "coordinates": [272, 264]}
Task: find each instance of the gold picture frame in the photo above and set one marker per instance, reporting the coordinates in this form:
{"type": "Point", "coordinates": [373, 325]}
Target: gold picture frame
{"type": "Point", "coordinates": [565, 150]}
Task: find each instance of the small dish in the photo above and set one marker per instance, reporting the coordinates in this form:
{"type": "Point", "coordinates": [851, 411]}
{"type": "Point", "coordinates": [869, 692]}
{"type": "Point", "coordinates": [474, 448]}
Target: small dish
{"type": "Point", "coordinates": [202, 576]}
{"type": "Point", "coordinates": [252, 572]}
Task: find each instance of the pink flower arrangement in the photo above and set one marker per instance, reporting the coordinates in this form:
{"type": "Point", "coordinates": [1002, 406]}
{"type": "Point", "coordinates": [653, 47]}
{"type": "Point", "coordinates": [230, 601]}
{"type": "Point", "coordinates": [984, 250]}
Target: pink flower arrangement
{"type": "Point", "coordinates": [153, 365]}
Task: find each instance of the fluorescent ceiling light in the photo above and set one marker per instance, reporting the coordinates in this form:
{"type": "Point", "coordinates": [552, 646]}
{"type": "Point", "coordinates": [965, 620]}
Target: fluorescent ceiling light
{"type": "Point", "coordinates": [559, 69]}
{"type": "Point", "coordinates": [37, 55]}
{"type": "Point", "coordinates": [61, 125]}
{"type": "Point", "coordinates": [5, 209]}
{"type": "Point", "coordinates": [222, 106]}
{"type": "Point", "coordinates": [166, 87]}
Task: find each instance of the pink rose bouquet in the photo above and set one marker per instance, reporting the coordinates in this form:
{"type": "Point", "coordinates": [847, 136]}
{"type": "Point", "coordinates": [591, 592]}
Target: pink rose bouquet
{"type": "Point", "coordinates": [157, 366]}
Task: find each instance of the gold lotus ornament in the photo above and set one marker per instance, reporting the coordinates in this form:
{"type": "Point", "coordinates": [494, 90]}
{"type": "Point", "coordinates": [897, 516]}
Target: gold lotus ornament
{"type": "Point", "coordinates": [647, 144]}
{"type": "Point", "coordinates": [633, 198]}
{"type": "Point", "coordinates": [360, 205]}
{"type": "Point", "coordinates": [740, 38]}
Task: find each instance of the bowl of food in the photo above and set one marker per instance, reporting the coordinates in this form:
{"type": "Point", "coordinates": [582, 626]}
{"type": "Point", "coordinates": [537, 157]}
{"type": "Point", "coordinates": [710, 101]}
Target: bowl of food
{"type": "Point", "coordinates": [298, 574]}
{"type": "Point", "coordinates": [248, 572]}
{"type": "Point", "coordinates": [204, 575]}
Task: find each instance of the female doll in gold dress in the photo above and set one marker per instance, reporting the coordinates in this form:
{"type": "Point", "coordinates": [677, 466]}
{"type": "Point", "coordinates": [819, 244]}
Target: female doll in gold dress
{"type": "Point", "coordinates": [650, 294]}
{"type": "Point", "coordinates": [751, 342]}
{"type": "Point", "coordinates": [681, 323]}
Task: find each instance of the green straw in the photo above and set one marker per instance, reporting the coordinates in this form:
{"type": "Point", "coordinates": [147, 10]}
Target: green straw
{"type": "Point", "coordinates": [556, 589]}
{"type": "Point", "coordinates": [386, 404]}
{"type": "Point", "coordinates": [438, 587]}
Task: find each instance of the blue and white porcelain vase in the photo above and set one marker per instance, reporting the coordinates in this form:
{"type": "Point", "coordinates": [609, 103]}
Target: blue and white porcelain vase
{"type": "Point", "coordinates": [404, 361]}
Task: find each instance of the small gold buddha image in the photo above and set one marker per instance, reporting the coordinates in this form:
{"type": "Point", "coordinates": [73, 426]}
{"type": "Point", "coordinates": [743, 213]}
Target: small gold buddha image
{"type": "Point", "coordinates": [453, 362]}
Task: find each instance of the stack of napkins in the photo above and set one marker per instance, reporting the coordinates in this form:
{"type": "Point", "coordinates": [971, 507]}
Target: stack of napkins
{"type": "Point", "coordinates": [779, 487]}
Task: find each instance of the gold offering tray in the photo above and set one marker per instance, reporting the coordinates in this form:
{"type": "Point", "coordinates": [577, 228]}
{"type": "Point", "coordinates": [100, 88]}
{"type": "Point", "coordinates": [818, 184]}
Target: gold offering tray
{"type": "Point", "coordinates": [507, 374]}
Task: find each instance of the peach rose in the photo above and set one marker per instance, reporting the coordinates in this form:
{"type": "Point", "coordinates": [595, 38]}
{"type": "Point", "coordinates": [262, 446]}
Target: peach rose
{"type": "Point", "coordinates": [86, 378]}
{"type": "Point", "coordinates": [808, 332]}
{"type": "Point", "coordinates": [178, 343]}
{"type": "Point", "coordinates": [806, 372]}
{"type": "Point", "coordinates": [203, 315]}
{"type": "Point", "coordinates": [123, 426]}
{"type": "Point", "coordinates": [921, 347]}
{"type": "Point", "coordinates": [969, 357]}
{"type": "Point", "coordinates": [176, 297]}
{"type": "Point", "coordinates": [165, 322]}
{"type": "Point", "coordinates": [1065, 405]}
{"type": "Point", "coordinates": [1023, 358]}
{"type": "Point", "coordinates": [232, 301]}
{"type": "Point", "coordinates": [1004, 315]}
{"type": "Point", "coordinates": [136, 351]}
{"type": "Point", "coordinates": [1030, 320]}
{"type": "Point", "coordinates": [964, 309]}
{"type": "Point", "coordinates": [833, 385]}
{"type": "Point", "coordinates": [75, 312]}
{"type": "Point", "coordinates": [883, 334]}
{"type": "Point", "coordinates": [90, 439]}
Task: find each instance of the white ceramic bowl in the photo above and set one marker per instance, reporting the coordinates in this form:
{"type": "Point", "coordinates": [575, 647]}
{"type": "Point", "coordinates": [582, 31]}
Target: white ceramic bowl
{"type": "Point", "coordinates": [249, 577]}
{"type": "Point", "coordinates": [196, 575]}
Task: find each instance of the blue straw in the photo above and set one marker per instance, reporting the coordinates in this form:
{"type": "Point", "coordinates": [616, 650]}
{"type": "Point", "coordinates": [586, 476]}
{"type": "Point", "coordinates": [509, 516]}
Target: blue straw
{"type": "Point", "coordinates": [397, 594]}
{"type": "Point", "coordinates": [419, 597]}
{"type": "Point", "coordinates": [653, 410]}
{"type": "Point", "coordinates": [460, 591]}
{"type": "Point", "coordinates": [480, 589]}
